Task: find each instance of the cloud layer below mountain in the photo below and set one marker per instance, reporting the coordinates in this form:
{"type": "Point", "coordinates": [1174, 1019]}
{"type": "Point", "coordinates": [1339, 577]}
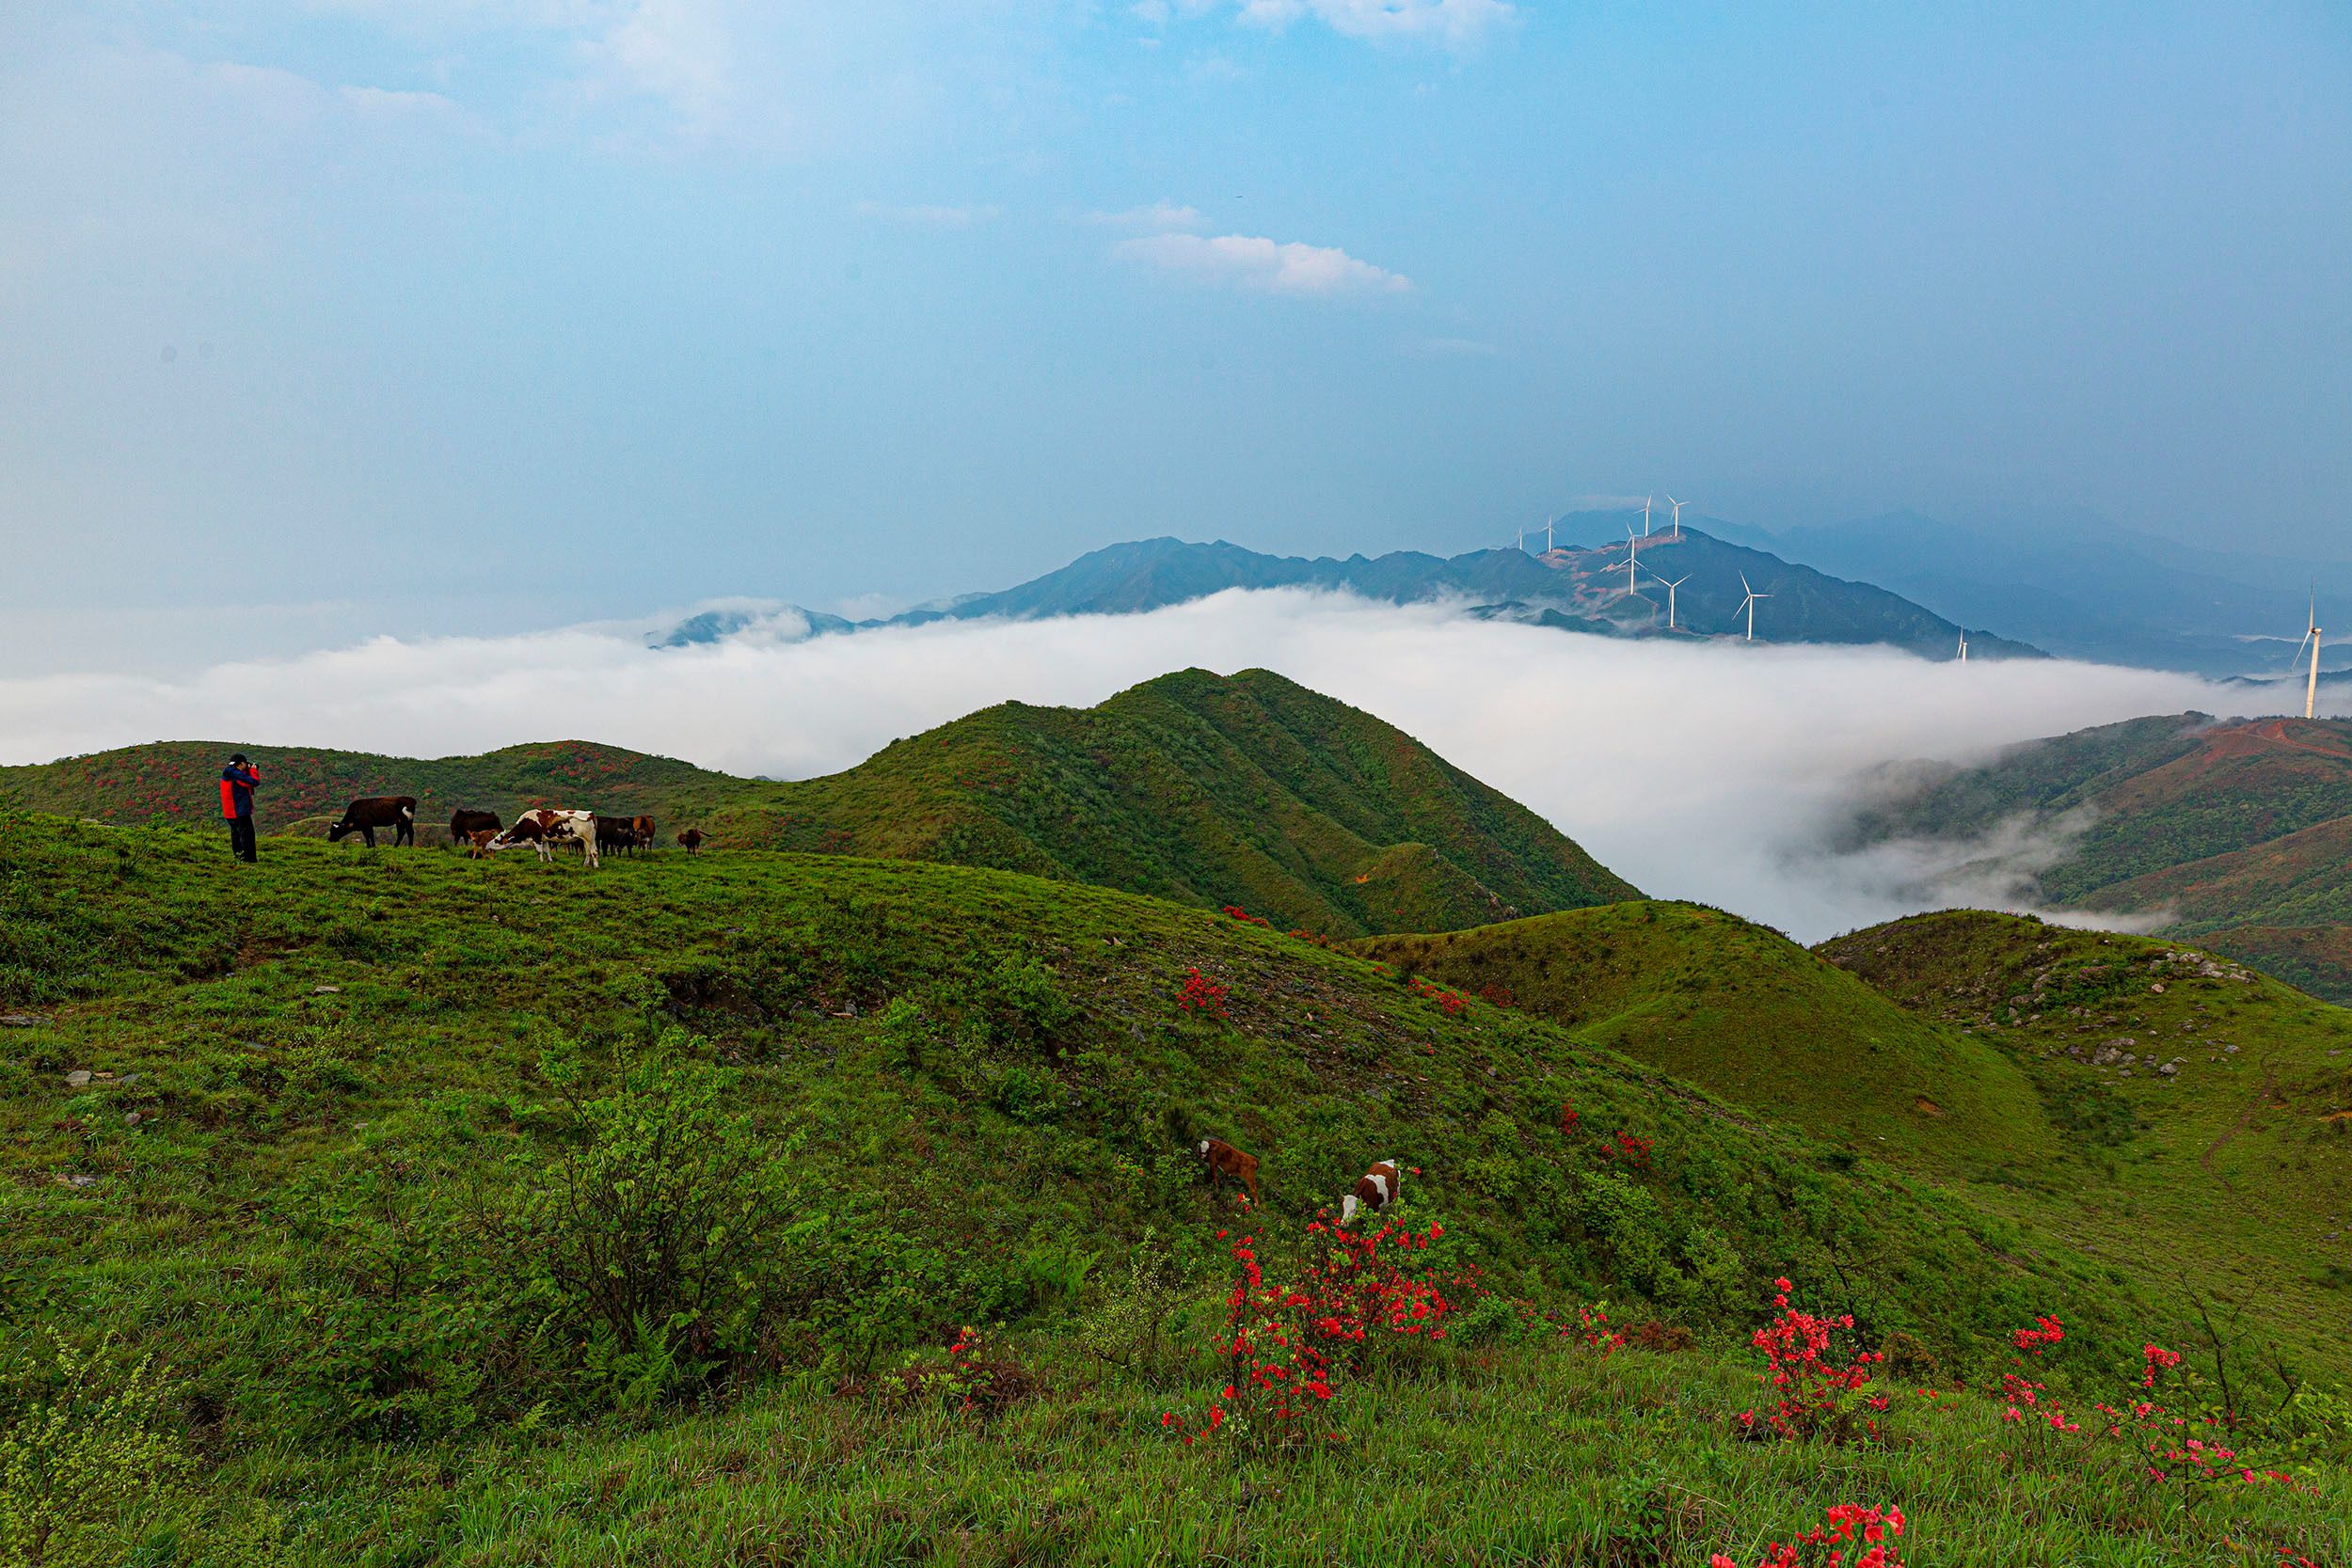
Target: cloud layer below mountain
{"type": "Point", "coordinates": [1702, 771]}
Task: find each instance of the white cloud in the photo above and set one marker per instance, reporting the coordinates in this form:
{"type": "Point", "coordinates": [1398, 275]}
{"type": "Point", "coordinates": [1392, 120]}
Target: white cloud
{"type": "Point", "coordinates": [1453, 24]}
{"type": "Point", "coordinates": [1704, 770]}
{"type": "Point", "coordinates": [923, 215]}
{"type": "Point", "coordinates": [1253, 263]}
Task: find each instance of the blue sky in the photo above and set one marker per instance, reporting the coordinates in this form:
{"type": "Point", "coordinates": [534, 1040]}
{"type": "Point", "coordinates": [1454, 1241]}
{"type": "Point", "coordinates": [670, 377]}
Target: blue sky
{"type": "Point", "coordinates": [333, 317]}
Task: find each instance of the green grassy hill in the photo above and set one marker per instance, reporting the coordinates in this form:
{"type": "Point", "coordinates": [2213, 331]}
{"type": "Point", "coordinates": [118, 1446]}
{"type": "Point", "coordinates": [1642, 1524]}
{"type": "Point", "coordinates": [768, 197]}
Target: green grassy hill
{"type": "Point", "coordinates": [178, 781]}
{"type": "Point", "coordinates": [355, 1154]}
{"type": "Point", "coordinates": [1210, 790]}
{"type": "Point", "coordinates": [1753, 1019]}
{"type": "Point", "coordinates": [1248, 790]}
{"type": "Point", "coordinates": [2198, 1102]}
{"type": "Point", "coordinates": [2236, 834]}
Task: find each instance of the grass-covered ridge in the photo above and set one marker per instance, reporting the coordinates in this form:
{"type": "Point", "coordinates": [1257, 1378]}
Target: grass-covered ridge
{"type": "Point", "coordinates": [1196, 788]}
{"type": "Point", "coordinates": [384, 1101]}
{"type": "Point", "coordinates": [1756, 1020]}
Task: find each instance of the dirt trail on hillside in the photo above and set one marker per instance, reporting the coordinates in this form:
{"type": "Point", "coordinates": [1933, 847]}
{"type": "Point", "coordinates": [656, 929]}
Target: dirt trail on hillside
{"type": "Point", "coordinates": [2275, 731]}
{"type": "Point", "coordinates": [2267, 1095]}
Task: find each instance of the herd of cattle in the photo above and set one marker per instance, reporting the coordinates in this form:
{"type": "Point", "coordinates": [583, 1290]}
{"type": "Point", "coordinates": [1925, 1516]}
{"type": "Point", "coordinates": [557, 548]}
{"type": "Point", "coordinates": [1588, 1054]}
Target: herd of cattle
{"type": "Point", "coordinates": [484, 834]}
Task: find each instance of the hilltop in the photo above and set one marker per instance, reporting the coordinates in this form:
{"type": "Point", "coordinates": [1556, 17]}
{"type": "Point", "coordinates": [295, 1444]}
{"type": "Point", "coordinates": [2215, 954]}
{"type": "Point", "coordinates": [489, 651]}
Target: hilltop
{"type": "Point", "coordinates": [1211, 790]}
{"type": "Point", "coordinates": [1248, 790]}
{"type": "Point", "coordinates": [2234, 833]}
{"type": "Point", "coordinates": [324, 1140]}
{"type": "Point", "coordinates": [1755, 1019]}
{"type": "Point", "coordinates": [1573, 588]}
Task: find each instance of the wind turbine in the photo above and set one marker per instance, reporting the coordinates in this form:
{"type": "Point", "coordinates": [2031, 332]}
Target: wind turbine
{"type": "Point", "coordinates": [1678, 506]}
{"type": "Point", "coordinates": [1672, 583]}
{"type": "Point", "coordinates": [1547, 522]}
{"type": "Point", "coordinates": [1963, 644]}
{"type": "Point", "coordinates": [1645, 501]}
{"type": "Point", "coordinates": [2311, 688]}
{"type": "Point", "coordinates": [1633, 553]}
{"type": "Point", "coordinates": [1748, 604]}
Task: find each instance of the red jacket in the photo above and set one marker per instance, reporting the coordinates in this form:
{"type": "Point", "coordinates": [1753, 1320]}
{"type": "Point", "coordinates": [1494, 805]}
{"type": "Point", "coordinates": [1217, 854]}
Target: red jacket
{"type": "Point", "coordinates": [236, 789]}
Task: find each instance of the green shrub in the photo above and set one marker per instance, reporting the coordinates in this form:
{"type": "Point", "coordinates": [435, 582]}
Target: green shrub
{"type": "Point", "coordinates": [87, 1461]}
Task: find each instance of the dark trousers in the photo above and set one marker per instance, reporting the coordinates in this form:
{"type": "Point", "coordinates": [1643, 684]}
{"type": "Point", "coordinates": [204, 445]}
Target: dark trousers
{"type": "Point", "coordinates": [241, 837]}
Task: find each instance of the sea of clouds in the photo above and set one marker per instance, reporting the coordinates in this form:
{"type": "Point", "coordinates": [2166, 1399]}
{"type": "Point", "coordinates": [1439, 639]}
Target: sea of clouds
{"type": "Point", "coordinates": [1705, 769]}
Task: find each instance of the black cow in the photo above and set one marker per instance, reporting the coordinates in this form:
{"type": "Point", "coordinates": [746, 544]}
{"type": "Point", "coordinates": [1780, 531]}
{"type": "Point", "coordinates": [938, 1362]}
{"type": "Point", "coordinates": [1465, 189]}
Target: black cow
{"type": "Point", "coordinates": [616, 832]}
{"type": "Point", "coordinates": [371, 812]}
{"type": "Point", "coordinates": [464, 824]}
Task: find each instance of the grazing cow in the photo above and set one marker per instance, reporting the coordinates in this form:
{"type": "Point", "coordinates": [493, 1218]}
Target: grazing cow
{"type": "Point", "coordinates": [1224, 1160]}
{"type": "Point", "coordinates": [1374, 1191]}
{"type": "Point", "coordinates": [371, 812]}
{"type": "Point", "coordinates": [478, 842]}
{"type": "Point", "coordinates": [691, 840]}
{"type": "Point", "coordinates": [616, 832]}
{"type": "Point", "coordinates": [464, 824]}
{"type": "Point", "coordinates": [642, 828]}
{"type": "Point", "coordinates": [544, 828]}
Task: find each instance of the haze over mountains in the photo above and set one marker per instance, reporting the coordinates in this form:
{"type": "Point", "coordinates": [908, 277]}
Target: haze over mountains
{"type": "Point", "coordinates": [2077, 585]}
{"type": "Point", "coordinates": [1575, 587]}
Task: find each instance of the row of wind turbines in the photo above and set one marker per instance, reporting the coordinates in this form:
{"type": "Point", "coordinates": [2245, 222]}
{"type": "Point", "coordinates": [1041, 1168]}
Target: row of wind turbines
{"type": "Point", "coordinates": [1633, 566]}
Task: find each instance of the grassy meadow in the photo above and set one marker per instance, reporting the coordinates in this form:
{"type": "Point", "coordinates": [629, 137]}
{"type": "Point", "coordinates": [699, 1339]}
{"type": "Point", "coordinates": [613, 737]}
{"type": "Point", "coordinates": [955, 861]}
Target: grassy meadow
{"type": "Point", "coordinates": [392, 1208]}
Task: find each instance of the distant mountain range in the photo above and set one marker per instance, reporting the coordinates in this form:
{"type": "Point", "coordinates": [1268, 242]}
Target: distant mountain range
{"type": "Point", "coordinates": [2239, 835]}
{"type": "Point", "coordinates": [1574, 588]}
{"type": "Point", "coordinates": [2079, 586]}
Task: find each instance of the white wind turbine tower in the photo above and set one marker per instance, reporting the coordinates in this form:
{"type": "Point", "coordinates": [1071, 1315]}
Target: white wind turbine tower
{"type": "Point", "coordinates": [1547, 522]}
{"type": "Point", "coordinates": [1672, 583]}
{"type": "Point", "coordinates": [2311, 688]}
{"type": "Point", "coordinates": [1633, 553]}
{"type": "Point", "coordinates": [1748, 604]}
{"type": "Point", "coordinates": [1645, 501]}
{"type": "Point", "coordinates": [1678, 506]}
{"type": "Point", "coordinates": [1963, 644]}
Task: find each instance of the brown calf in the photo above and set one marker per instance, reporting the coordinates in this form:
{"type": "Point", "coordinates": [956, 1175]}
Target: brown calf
{"type": "Point", "coordinates": [691, 840]}
{"type": "Point", "coordinates": [1223, 1159]}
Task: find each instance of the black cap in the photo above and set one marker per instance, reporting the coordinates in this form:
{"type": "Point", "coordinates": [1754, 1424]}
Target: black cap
{"type": "Point", "coordinates": [237, 757]}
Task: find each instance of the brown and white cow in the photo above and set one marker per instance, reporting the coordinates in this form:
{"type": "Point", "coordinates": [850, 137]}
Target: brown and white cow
{"type": "Point", "coordinates": [371, 812]}
{"type": "Point", "coordinates": [1224, 1160]}
{"type": "Point", "coordinates": [642, 828]}
{"type": "Point", "coordinates": [544, 828]}
{"type": "Point", "coordinates": [1374, 1191]}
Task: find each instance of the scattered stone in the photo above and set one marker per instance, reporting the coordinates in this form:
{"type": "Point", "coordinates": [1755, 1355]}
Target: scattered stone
{"type": "Point", "coordinates": [326, 990]}
{"type": "Point", "coordinates": [2170, 1068]}
{"type": "Point", "coordinates": [2157, 988]}
{"type": "Point", "coordinates": [78, 1078]}
{"type": "Point", "coordinates": [78, 1180]}
{"type": "Point", "coordinates": [22, 1020]}
{"type": "Point", "coordinates": [133, 1119]}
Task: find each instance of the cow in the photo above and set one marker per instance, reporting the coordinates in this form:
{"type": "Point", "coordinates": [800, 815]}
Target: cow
{"type": "Point", "coordinates": [544, 828]}
{"type": "Point", "coordinates": [642, 828]}
{"type": "Point", "coordinates": [616, 832]}
{"type": "Point", "coordinates": [1224, 1160]}
{"type": "Point", "coordinates": [371, 812]}
{"type": "Point", "coordinates": [464, 824]}
{"type": "Point", "coordinates": [691, 840]}
{"type": "Point", "coordinates": [478, 842]}
{"type": "Point", "coordinates": [1374, 1191]}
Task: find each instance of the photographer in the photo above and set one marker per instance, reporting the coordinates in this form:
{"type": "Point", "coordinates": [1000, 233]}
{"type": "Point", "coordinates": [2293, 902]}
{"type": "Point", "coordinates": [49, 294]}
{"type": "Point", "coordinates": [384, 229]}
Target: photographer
{"type": "Point", "coordinates": [237, 780]}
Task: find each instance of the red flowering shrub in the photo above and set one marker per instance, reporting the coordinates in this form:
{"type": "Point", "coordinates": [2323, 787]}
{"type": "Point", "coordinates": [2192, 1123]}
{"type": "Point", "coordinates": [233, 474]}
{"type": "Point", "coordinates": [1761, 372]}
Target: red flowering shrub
{"type": "Point", "coordinates": [1449, 1002]}
{"type": "Point", "coordinates": [1569, 1120]}
{"type": "Point", "coordinates": [1287, 1344]}
{"type": "Point", "coordinates": [1498, 995]}
{"type": "Point", "coordinates": [1202, 995]}
{"type": "Point", "coordinates": [1816, 1392]}
{"type": "Point", "coordinates": [1593, 1319]}
{"type": "Point", "coordinates": [1236, 913]}
{"type": "Point", "coordinates": [1629, 1151]}
{"type": "Point", "coordinates": [1851, 1526]}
